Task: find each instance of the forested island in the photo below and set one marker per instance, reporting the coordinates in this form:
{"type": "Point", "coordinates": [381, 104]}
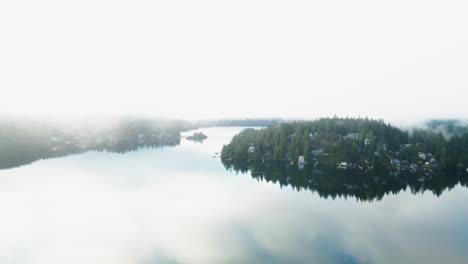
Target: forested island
{"type": "Point", "coordinates": [359, 143]}
{"type": "Point", "coordinates": [197, 136]}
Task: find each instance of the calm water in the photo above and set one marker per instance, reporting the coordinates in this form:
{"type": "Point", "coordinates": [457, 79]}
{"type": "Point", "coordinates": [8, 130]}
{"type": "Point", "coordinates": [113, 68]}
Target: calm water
{"type": "Point", "coordinates": [181, 205]}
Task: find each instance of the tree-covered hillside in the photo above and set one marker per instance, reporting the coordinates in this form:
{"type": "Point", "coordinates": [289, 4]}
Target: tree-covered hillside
{"type": "Point", "coordinates": [23, 141]}
{"type": "Point", "coordinates": [355, 141]}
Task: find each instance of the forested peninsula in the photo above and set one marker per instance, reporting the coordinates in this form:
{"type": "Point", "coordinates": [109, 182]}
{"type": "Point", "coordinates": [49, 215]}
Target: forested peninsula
{"type": "Point", "coordinates": [351, 143]}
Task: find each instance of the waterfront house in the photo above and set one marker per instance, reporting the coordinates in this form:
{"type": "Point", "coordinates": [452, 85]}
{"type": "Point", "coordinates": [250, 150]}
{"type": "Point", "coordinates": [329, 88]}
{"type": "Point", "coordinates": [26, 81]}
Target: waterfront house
{"type": "Point", "coordinates": [342, 165]}
{"type": "Point", "coordinates": [251, 149]}
{"type": "Point", "coordinates": [422, 155]}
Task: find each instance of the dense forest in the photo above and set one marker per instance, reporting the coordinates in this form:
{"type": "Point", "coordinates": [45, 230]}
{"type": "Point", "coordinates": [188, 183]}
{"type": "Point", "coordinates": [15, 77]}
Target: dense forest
{"type": "Point", "coordinates": [362, 142]}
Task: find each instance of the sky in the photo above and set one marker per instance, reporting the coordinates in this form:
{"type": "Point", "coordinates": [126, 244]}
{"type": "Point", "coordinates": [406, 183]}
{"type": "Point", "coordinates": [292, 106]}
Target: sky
{"type": "Point", "coordinates": [398, 59]}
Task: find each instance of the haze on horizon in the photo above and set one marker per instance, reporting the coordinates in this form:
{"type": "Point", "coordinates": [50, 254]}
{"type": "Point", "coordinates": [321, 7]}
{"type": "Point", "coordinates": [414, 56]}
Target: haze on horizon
{"type": "Point", "coordinates": [396, 60]}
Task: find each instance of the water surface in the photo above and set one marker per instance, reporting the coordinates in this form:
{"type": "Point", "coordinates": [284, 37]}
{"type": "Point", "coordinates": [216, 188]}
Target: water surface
{"type": "Point", "coordinates": [181, 205]}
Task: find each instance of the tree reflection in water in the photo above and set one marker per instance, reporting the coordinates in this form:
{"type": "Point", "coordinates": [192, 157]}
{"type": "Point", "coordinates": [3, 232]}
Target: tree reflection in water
{"type": "Point", "coordinates": [329, 182]}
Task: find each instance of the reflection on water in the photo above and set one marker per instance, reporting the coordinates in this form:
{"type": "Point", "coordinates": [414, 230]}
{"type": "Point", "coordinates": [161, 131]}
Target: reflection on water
{"type": "Point", "coordinates": [180, 205]}
{"type": "Point", "coordinates": [18, 155]}
{"type": "Point", "coordinates": [329, 182]}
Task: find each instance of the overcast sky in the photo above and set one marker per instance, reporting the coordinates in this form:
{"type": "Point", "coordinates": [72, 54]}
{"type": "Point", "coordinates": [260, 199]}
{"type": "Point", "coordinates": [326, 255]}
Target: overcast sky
{"type": "Point", "coordinates": [397, 59]}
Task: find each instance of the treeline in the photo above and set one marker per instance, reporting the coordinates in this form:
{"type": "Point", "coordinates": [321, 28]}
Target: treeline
{"type": "Point", "coordinates": [353, 140]}
{"type": "Point", "coordinates": [448, 127]}
{"type": "Point", "coordinates": [452, 152]}
{"type": "Point", "coordinates": [239, 122]}
{"type": "Point", "coordinates": [24, 141]}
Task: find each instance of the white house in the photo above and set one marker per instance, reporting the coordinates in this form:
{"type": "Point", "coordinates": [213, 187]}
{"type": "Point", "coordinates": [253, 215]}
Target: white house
{"type": "Point", "coordinates": [354, 136]}
{"type": "Point", "coordinates": [422, 155]}
{"type": "Point", "coordinates": [367, 142]}
{"type": "Point", "coordinates": [301, 160]}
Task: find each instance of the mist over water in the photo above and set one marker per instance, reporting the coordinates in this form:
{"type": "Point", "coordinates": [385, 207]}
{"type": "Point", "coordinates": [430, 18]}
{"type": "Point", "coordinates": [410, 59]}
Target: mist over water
{"type": "Point", "coordinates": [180, 205]}
{"type": "Point", "coordinates": [365, 158]}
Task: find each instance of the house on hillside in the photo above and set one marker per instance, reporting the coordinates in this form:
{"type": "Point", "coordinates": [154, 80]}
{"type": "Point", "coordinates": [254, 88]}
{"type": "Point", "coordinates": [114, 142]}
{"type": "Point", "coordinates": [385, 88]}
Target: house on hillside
{"type": "Point", "coordinates": [313, 135]}
{"type": "Point", "coordinates": [301, 160]}
{"type": "Point", "coordinates": [353, 136]}
{"type": "Point", "coordinates": [422, 155]}
{"type": "Point", "coordinates": [395, 163]}
{"type": "Point", "coordinates": [251, 149]}
{"type": "Point", "coordinates": [367, 142]}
